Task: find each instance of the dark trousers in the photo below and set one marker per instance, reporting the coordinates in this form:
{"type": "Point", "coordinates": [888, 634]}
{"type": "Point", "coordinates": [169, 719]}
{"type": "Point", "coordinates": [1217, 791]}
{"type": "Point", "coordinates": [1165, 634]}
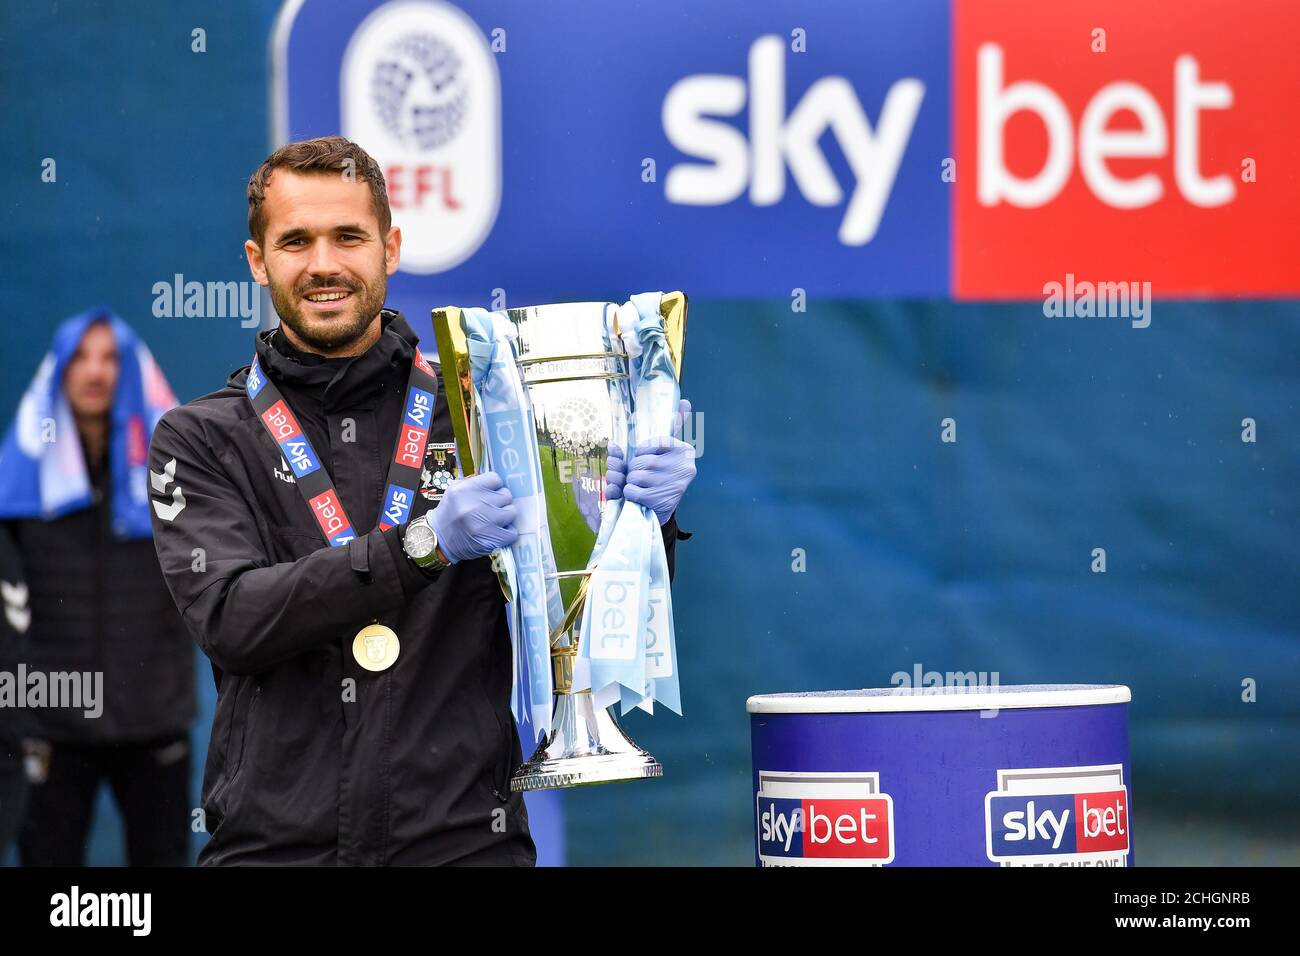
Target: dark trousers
{"type": "Point", "coordinates": [150, 784]}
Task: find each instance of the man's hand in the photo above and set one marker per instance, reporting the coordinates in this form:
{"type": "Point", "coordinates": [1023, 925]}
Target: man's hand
{"type": "Point", "coordinates": [475, 517]}
{"type": "Point", "coordinates": [661, 471]}
{"type": "Point", "coordinates": [615, 473]}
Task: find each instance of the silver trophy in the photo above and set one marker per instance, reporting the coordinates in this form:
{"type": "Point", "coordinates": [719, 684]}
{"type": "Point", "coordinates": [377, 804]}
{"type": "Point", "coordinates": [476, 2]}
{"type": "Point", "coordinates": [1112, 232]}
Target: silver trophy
{"type": "Point", "coordinates": [576, 377]}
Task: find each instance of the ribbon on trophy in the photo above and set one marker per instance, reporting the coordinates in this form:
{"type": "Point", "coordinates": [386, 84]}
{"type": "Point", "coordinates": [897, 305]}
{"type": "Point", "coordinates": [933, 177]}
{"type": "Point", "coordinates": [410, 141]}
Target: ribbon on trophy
{"type": "Point", "coordinates": [508, 438]}
{"type": "Point", "coordinates": [627, 647]}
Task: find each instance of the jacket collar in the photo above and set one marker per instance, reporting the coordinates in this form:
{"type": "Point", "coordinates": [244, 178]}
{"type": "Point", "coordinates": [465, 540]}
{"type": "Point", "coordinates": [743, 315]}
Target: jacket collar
{"type": "Point", "coordinates": [339, 383]}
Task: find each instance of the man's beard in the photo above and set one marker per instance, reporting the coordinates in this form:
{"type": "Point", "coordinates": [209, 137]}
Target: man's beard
{"type": "Point", "coordinates": [329, 333]}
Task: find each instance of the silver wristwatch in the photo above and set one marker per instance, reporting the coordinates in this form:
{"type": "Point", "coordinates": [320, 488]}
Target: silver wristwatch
{"type": "Point", "coordinates": [420, 542]}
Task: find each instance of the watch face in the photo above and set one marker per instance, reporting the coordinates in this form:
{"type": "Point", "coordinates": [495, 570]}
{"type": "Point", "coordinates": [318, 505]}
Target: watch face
{"type": "Point", "coordinates": [419, 540]}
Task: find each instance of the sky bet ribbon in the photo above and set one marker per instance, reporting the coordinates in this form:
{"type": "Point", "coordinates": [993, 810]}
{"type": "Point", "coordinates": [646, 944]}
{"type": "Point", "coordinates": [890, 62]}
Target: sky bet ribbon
{"type": "Point", "coordinates": [314, 482]}
{"type": "Point", "coordinates": [635, 666]}
{"type": "Point", "coordinates": [509, 436]}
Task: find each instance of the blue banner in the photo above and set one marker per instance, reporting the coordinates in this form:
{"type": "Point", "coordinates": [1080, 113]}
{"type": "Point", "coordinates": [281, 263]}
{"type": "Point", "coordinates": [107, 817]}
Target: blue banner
{"type": "Point", "coordinates": [757, 153]}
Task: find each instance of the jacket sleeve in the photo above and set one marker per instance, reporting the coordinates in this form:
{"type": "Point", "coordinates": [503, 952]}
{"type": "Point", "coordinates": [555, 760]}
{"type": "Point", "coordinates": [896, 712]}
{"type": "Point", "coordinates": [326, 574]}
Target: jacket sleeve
{"type": "Point", "coordinates": [246, 612]}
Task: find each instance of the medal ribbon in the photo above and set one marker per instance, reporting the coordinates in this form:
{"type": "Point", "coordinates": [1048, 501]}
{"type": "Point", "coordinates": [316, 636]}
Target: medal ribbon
{"type": "Point", "coordinates": [314, 482]}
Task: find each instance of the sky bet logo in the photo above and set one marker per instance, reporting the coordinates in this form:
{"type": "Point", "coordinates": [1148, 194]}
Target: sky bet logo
{"type": "Point", "coordinates": [293, 444]}
{"type": "Point", "coordinates": [397, 505]}
{"type": "Point", "coordinates": [1059, 820]}
{"type": "Point", "coordinates": [779, 140]}
{"type": "Point", "coordinates": [332, 519]}
{"type": "Point", "coordinates": [1012, 135]}
{"type": "Point", "coordinates": [415, 428]}
{"type": "Point", "coordinates": [823, 819]}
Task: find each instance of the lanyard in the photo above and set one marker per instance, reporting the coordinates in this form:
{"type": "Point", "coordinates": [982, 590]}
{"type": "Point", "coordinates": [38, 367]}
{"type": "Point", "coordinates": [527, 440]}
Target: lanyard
{"type": "Point", "coordinates": [314, 482]}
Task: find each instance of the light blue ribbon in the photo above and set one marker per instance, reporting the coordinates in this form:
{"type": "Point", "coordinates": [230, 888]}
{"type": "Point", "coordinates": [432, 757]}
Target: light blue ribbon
{"type": "Point", "coordinates": [509, 447]}
{"type": "Point", "coordinates": [628, 644]}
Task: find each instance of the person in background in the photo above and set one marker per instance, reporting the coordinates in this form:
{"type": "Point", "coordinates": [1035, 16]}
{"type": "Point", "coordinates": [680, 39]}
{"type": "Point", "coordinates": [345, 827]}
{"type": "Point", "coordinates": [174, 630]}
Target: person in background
{"type": "Point", "coordinates": [13, 627]}
{"type": "Point", "coordinates": [74, 496]}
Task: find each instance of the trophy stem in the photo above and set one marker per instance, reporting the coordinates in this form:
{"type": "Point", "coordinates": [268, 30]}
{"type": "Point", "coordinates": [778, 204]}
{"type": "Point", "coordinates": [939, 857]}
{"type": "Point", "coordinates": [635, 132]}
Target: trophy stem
{"type": "Point", "coordinates": [586, 746]}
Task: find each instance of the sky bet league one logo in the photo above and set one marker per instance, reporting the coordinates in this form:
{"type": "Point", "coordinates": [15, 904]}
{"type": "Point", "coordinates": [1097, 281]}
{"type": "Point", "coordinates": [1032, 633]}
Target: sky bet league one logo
{"type": "Point", "coordinates": [421, 92]}
{"type": "Point", "coordinates": [823, 819]}
{"type": "Point", "coordinates": [1066, 816]}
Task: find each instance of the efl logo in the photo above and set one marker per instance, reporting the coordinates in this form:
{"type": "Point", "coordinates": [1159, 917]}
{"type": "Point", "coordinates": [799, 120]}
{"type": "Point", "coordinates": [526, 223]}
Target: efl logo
{"type": "Point", "coordinates": [397, 505]}
{"type": "Point", "coordinates": [421, 363]}
{"type": "Point", "coordinates": [1068, 816]}
{"type": "Point", "coordinates": [420, 89]}
{"type": "Point", "coordinates": [823, 819]}
{"type": "Point", "coordinates": [331, 518]}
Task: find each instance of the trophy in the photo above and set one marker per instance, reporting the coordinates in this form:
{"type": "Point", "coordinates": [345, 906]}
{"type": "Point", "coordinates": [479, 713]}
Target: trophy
{"type": "Point", "coordinates": [578, 397]}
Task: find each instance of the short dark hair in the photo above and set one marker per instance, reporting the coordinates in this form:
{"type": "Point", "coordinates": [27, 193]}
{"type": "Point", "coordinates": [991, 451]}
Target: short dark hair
{"type": "Point", "coordinates": [325, 154]}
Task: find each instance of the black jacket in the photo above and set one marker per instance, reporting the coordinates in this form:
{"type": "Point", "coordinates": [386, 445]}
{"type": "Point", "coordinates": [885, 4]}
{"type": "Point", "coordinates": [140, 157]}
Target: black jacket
{"type": "Point", "coordinates": [14, 622]}
{"type": "Point", "coordinates": [15, 619]}
{"type": "Point", "coordinates": [411, 770]}
{"type": "Point", "coordinates": [98, 603]}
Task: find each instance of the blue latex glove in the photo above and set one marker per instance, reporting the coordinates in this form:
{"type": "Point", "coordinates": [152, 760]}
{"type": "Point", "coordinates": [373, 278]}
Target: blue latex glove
{"type": "Point", "coordinates": [475, 517]}
{"type": "Point", "coordinates": [660, 472]}
{"type": "Point", "coordinates": [615, 473]}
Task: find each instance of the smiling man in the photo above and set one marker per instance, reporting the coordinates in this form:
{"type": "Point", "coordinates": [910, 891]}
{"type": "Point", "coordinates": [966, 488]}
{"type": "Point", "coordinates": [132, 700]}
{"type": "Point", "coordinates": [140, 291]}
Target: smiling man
{"type": "Point", "coordinates": [363, 713]}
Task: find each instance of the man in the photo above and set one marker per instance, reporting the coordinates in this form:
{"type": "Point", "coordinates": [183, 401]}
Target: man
{"type": "Point", "coordinates": [324, 749]}
{"type": "Point", "coordinates": [74, 497]}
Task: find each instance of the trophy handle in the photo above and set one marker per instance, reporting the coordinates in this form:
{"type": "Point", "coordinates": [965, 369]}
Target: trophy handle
{"type": "Point", "coordinates": [672, 307]}
{"type": "Point", "coordinates": [458, 384]}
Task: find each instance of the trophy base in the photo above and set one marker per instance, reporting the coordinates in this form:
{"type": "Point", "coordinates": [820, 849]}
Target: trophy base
{"type": "Point", "coordinates": [586, 747]}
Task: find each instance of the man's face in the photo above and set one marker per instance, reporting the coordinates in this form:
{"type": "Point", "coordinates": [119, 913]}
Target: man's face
{"type": "Point", "coordinates": [90, 380]}
{"type": "Point", "coordinates": [323, 257]}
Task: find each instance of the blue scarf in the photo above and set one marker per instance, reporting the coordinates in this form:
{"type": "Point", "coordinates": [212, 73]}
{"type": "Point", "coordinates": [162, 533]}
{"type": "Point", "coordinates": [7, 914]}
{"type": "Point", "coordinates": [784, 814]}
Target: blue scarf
{"type": "Point", "coordinates": [43, 470]}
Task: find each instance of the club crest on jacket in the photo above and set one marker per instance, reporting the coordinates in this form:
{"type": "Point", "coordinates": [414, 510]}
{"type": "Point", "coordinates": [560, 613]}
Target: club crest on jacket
{"type": "Point", "coordinates": [438, 469]}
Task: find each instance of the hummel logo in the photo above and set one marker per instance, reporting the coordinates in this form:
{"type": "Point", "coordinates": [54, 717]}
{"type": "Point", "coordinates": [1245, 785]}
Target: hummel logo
{"type": "Point", "coordinates": [160, 483]}
{"type": "Point", "coordinates": [283, 472]}
{"type": "Point", "coordinates": [17, 612]}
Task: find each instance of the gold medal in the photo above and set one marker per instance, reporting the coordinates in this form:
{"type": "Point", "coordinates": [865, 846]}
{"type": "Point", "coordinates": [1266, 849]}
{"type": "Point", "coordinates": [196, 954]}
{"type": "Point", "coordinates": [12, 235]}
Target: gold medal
{"type": "Point", "coordinates": [376, 647]}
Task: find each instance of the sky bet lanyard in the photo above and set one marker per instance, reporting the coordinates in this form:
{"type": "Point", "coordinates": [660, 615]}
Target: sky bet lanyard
{"type": "Point", "coordinates": [314, 482]}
